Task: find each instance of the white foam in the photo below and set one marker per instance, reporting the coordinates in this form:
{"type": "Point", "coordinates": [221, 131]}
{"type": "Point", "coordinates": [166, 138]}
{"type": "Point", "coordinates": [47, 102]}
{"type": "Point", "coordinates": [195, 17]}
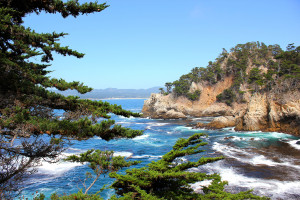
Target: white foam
{"type": "Point", "coordinates": [153, 124]}
{"type": "Point", "coordinates": [60, 167]}
{"type": "Point", "coordinates": [184, 128]}
{"type": "Point", "coordinates": [237, 138]}
{"type": "Point", "coordinates": [203, 118]}
{"type": "Point", "coordinates": [268, 187]}
{"type": "Point", "coordinates": [228, 150]}
{"type": "Point", "coordinates": [262, 160]}
{"type": "Point", "coordinates": [123, 123]}
{"type": "Point", "coordinates": [229, 129]}
{"type": "Point", "coordinates": [141, 137]}
{"type": "Point", "coordinates": [158, 124]}
{"type": "Point", "coordinates": [293, 144]}
{"type": "Point", "coordinates": [179, 161]}
{"type": "Point", "coordinates": [56, 169]}
{"type": "Point", "coordinates": [278, 135]}
{"type": "Point", "coordinates": [123, 153]}
{"type": "Point", "coordinates": [250, 157]}
{"type": "Point", "coordinates": [146, 156]}
{"type": "Point", "coordinates": [198, 186]}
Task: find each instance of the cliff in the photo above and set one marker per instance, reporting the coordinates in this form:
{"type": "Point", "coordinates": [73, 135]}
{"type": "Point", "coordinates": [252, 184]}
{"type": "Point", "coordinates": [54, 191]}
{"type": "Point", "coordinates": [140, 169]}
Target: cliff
{"type": "Point", "coordinates": [251, 103]}
{"type": "Point", "coordinates": [170, 107]}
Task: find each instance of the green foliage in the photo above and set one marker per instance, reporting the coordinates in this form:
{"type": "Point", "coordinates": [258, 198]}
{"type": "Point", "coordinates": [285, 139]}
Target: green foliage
{"type": "Point", "coordinates": [289, 62]}
{"type": "Point", "coordinates": [162, 91]}
{"type": "Point", "coordinates": [169, 85]}
{"type": "Point", "coordinates": [227, 96]}
{"type": "Point", "coordinates": [79, 195]}
{"type": "Point", "coordinates": [181, 86]}
{"type": "Point", "coordinates": [169, 177]}
{"type": "Point", "coordinates": [278, 66]}
{"type": "Point", "coordinates": [256, 77]}
{"type": "Point", "coordinates": [194, 96]}
{"type": "Point", "coordinates": [101, 162]}
{"type": "Point", "coordinates": [26, 104]}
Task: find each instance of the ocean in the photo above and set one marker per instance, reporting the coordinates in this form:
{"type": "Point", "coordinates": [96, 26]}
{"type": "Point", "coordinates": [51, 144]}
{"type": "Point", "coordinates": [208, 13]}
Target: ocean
{"type": "Point", "coordinates": [268, 163]}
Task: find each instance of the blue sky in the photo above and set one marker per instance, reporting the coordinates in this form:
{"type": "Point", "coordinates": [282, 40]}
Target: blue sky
{"type": "Point", "coordinates": [146, 43]}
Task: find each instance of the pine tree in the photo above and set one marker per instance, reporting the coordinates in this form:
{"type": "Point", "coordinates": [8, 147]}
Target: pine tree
{"type": "Point", "coordinates": [30, 131]}
{"type": "Point", "coordinates": [170, 178]}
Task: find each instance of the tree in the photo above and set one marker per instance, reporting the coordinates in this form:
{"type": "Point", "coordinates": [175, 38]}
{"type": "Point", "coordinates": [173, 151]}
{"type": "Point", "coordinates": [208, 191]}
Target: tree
{"type": "Point", "coordinates": [30, 130]}
{"type": "Point", "coordinates": [162, 91]}
{"type": "Point", "coordinates": [101, 162]}
{"type": "Point", "coordinates": [169, 87]}
{"type": "Point", "coordinates": [169, 177]}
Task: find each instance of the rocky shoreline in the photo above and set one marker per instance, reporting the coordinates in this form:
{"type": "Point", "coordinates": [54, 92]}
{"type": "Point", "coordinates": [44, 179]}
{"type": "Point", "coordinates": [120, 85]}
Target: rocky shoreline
{"type": "Point", "coordinates": [260, 113]}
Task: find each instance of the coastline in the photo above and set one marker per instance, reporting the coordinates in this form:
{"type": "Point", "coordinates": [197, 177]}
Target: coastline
{"type": "Point", "coordinates": [115, 98]}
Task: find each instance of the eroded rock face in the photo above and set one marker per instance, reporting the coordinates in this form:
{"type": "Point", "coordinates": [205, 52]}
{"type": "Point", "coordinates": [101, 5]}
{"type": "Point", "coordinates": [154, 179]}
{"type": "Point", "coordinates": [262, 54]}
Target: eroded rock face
{"type": "Point", "coordinates": [219, 122]}
{"type": "Point", "coordinates": [264, 112]}
{"type": "Point", "coordinates": [160, 106]}
{"type": "Point", "coordinates": [256, 115]}
{"type": "Point", "coordinates": [170, 107]}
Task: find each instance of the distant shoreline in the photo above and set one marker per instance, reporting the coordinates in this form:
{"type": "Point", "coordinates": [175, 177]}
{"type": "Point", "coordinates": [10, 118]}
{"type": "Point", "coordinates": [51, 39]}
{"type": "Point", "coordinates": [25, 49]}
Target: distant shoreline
{"type": "Point", "coordinates": [113, 98]}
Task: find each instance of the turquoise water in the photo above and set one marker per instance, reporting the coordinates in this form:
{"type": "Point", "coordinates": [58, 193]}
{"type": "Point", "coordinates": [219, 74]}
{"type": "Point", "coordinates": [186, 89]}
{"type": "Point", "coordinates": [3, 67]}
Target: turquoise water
{"type": "Point", "coordinates": [269, 163]}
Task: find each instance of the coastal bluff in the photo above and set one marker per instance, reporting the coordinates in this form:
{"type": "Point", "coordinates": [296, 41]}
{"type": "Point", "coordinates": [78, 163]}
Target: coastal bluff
{"type": "Point", "coordinates": [254, 87]}
{"type": "Point", "coordinates": [260, 113]}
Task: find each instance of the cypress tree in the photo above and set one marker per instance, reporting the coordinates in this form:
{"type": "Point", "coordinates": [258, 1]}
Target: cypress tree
{"type": "Point", "coordinates": [29, 129]}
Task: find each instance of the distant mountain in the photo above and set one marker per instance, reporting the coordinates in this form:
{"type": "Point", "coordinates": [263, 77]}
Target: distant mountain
{"type": "Point", "coordinates": [112, 93]}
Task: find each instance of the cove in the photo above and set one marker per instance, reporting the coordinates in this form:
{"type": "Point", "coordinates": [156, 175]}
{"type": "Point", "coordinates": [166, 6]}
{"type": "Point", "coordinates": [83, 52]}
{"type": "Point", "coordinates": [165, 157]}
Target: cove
{"type": "Point", "coordinates": [267, 162]}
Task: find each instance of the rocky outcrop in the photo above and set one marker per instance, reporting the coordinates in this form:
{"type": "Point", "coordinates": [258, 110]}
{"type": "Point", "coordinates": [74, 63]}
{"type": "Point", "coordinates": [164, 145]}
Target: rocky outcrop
{"type": "Point", "coordinates": [256, 115]}
{"type": "Point", "coordinates": [263, 94]}
{"type": "Point", "coordinates": [161, 106]}
{"type": "Point", "coordinates": [219, 122]}
{"type": "Point", "coordinates": [267, 114]}
{"type": "Point", "coordinates": [262, 112]}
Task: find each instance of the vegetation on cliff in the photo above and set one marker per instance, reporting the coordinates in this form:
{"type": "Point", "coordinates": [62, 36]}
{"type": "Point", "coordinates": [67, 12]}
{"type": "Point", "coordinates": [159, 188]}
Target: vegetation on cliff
{"type": "Point", "coordinates": [255, 65]}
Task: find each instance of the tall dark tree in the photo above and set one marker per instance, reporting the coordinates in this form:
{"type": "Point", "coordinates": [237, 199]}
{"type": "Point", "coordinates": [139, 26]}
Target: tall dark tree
{"type": "Point", "coordinates": [29, 128]}
{"type": "Point", "coordinates": [169, 87]}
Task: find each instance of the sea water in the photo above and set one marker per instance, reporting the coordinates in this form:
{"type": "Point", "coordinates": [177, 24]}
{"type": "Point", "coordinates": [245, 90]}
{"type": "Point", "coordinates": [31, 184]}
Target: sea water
{"type": "Point", "coordinates": [268, 163]}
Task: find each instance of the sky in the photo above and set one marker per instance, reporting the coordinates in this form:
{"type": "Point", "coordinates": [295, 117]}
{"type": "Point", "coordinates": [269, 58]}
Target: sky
{"type": "Point", "coordinates": [139, 44]}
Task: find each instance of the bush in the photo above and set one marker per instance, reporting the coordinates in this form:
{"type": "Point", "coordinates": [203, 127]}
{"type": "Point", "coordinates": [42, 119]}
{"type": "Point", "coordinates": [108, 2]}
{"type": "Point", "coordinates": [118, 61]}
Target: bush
{"type": "Point", "coordinates": [194, 96]}
{"type": "Point", "coordinates": [227, 96]}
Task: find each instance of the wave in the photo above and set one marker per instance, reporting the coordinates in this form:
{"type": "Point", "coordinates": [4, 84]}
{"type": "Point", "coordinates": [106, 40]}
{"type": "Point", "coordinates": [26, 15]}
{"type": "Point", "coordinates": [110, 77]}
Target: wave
{"type": "Point", "coordinates": [141, 137]}
{"type": "Point", "coordinates": [146, 156]}
{"type": "Point", "coordinates": [268, 187]}
{"type": "Point", "coordinates": [186, 128]}
{"type": "Point", "coordinates": [198, 186]}
{"type": "Point", "coordinates": [123, 153]}
{"type": "Point", "coordinates": [231, 129]}
{"type": "Point", "coordinates": [236, 138]}
{"type": "Point", "coordinates": [246, 156]}
{"type": "Point", "coordinates": [60, 167]}
{"type": "Point", "coordinates": [56, 169]}
{"type": "Point", "coordinates": [293, 144]}
{"type": "Point", "coordinates": [202, 118]}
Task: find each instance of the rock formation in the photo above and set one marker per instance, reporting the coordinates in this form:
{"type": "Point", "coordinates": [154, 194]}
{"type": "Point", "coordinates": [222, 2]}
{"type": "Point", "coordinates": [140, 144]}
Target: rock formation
{"type": "Point", "coordinates": [170, 107]}
{"type": "Point", "coordinates": [260, 113]}
{"type": "Point", "coordinates": [250, 99]}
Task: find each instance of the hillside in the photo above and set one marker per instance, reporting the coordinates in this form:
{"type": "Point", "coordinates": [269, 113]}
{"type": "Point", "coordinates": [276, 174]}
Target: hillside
{"type": "Point", "coordinates": [251, 87]}
{"type": "Point", "coordinates": [112, 93]}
